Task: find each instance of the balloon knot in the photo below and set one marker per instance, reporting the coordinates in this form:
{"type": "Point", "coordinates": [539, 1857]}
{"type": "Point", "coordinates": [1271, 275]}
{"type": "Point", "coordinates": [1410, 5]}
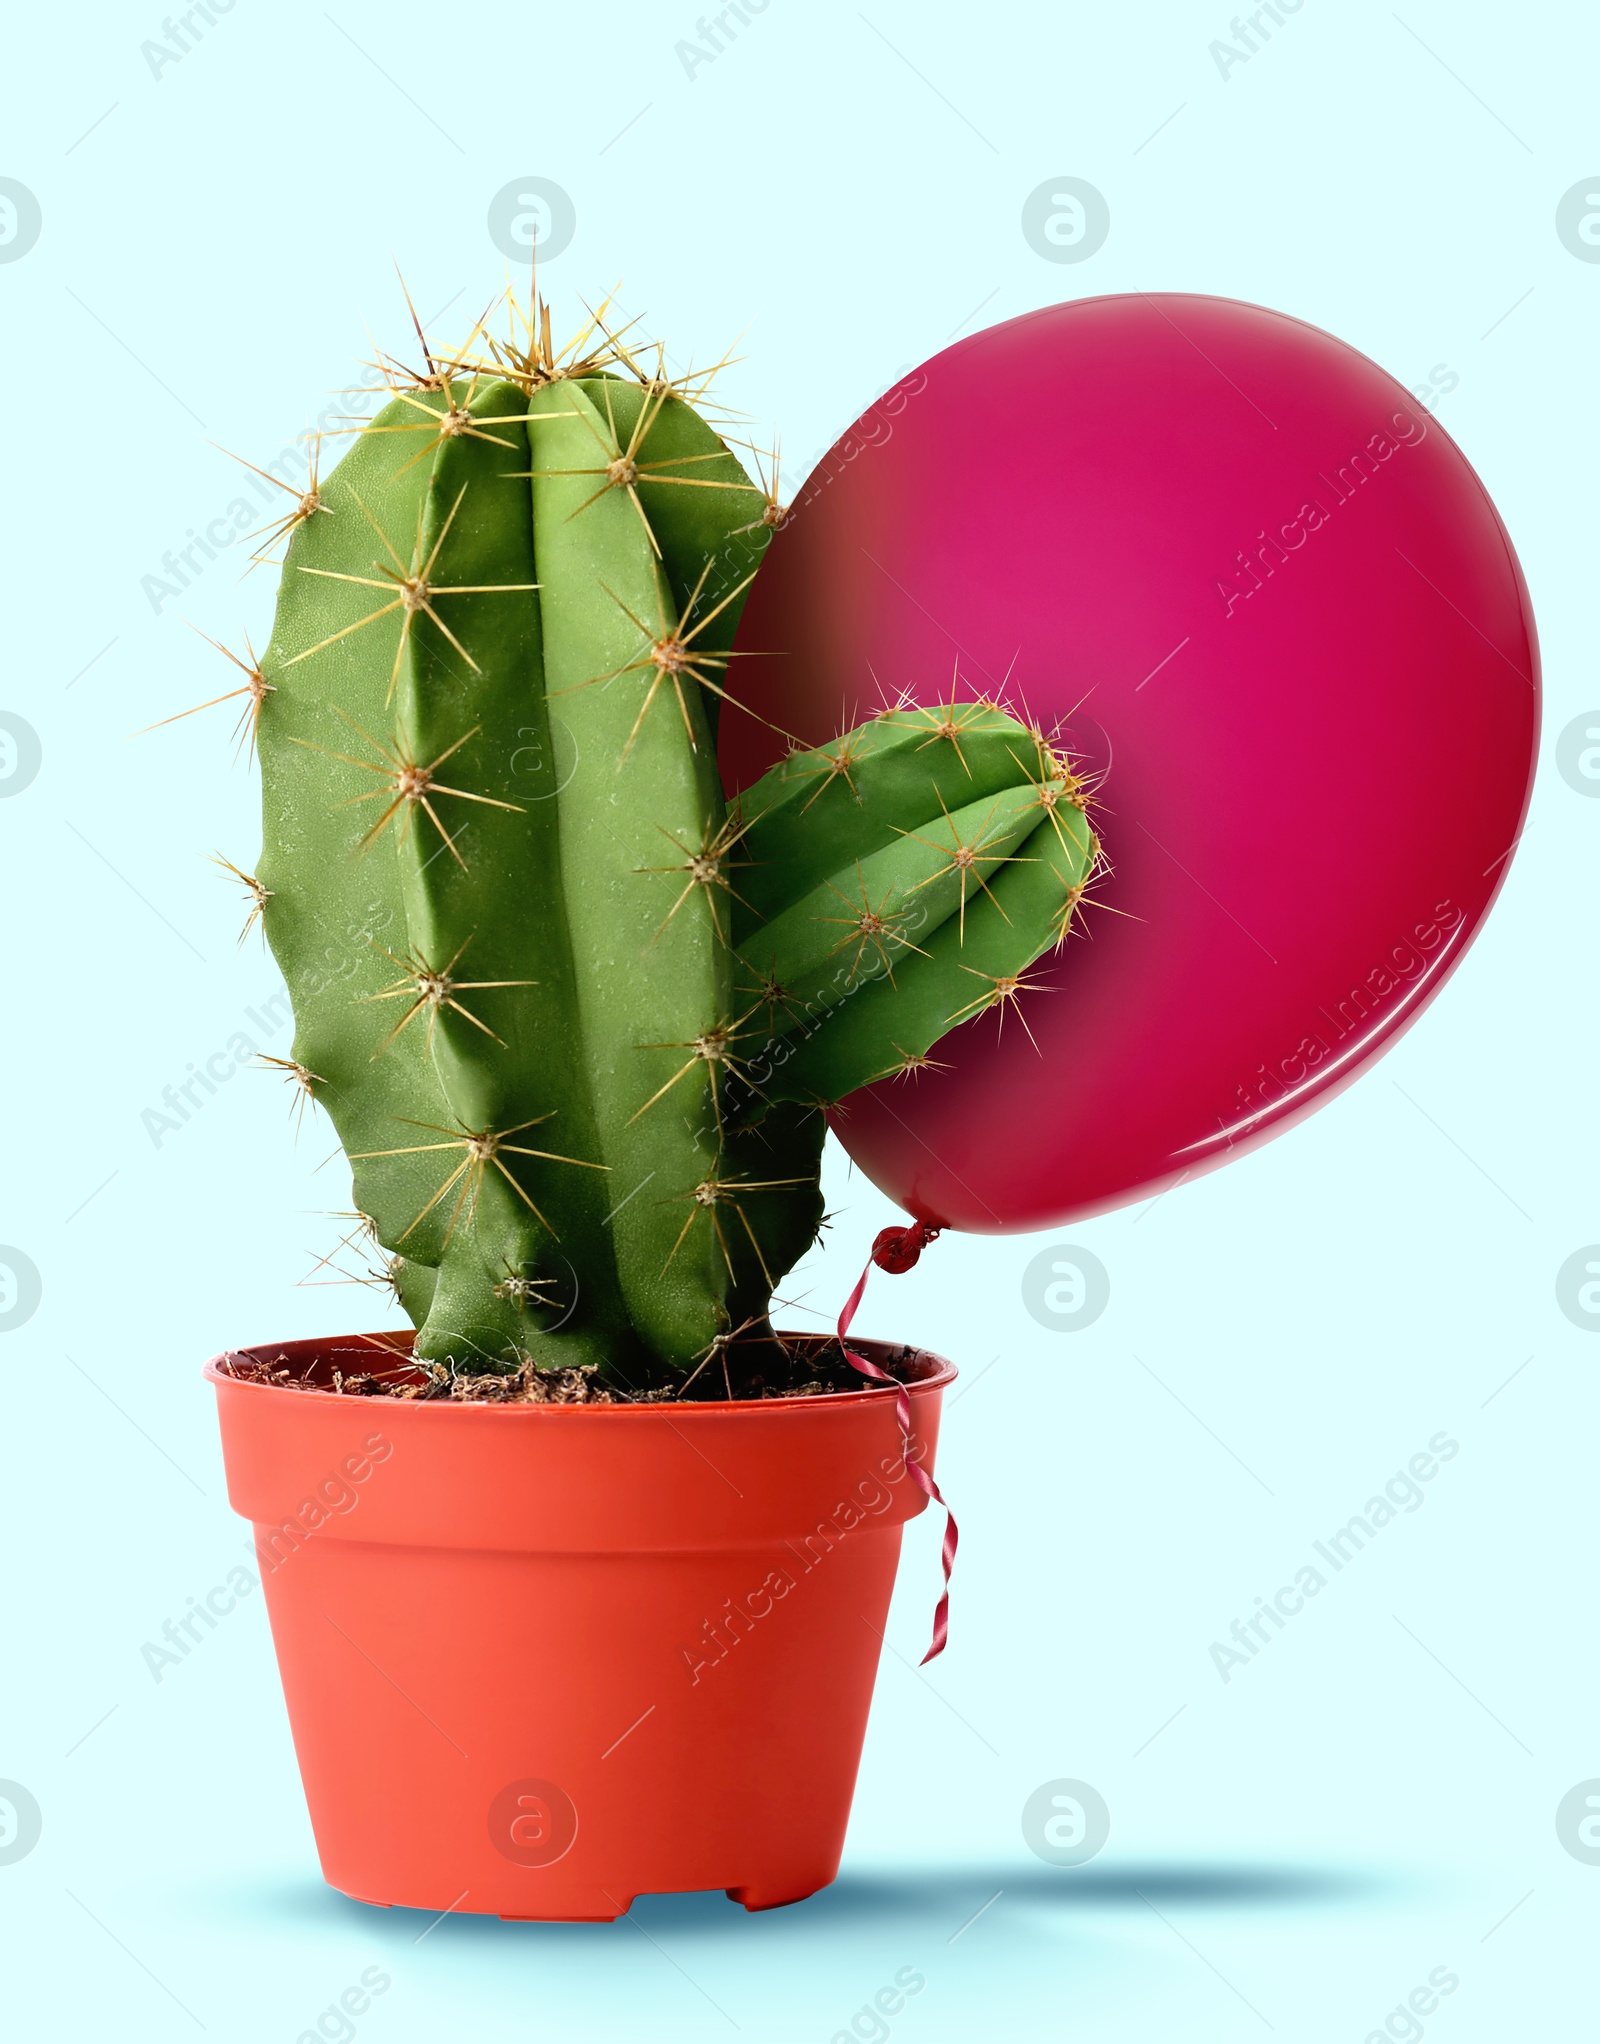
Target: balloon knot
{"type": "Point", "coordinates": [897, 1249]}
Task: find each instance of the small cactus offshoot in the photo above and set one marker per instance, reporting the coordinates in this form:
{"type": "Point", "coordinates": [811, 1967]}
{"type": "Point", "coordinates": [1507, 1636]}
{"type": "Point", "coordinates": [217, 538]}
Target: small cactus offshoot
{"type": "Point", "coordinates": [581, 1078]}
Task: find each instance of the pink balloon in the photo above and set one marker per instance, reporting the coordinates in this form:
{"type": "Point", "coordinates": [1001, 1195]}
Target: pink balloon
{"type": "Point", "coordinates": [1275, 607]}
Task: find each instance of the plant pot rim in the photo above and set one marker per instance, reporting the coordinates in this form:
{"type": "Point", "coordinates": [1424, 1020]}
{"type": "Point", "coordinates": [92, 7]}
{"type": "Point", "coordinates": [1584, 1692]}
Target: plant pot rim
{"type": "Point", "coordinates": [941, 1374]}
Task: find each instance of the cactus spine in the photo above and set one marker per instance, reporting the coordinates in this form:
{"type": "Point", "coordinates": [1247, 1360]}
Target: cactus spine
{"type": "Point", "coordinates": [573, 1016]}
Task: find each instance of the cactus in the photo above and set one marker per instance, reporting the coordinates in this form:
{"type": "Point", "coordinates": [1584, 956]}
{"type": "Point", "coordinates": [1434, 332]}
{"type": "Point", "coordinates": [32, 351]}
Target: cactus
{"type": "Point", "coordinates": [574, 1016]}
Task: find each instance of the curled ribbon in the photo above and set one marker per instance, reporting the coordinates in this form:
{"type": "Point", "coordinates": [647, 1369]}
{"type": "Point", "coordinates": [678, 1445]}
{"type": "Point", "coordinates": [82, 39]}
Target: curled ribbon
{"type": "Point", "coordinates": [896, 1250]}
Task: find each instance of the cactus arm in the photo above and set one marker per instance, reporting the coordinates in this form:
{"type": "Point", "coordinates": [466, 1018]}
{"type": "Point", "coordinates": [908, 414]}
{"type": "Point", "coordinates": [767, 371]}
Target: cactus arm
{"type": "Point", "coordinates": [883, 1029]}
{"type": "Point", "coordinates": [896, 944]}
{"type": "Point", "coordinates": [867, 915]}
{"type": "Point", "coordinates": [824, 807]}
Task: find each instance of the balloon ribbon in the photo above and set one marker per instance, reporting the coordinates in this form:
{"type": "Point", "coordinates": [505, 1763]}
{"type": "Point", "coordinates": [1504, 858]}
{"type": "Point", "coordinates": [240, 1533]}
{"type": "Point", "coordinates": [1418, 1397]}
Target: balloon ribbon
{"type": "Point", "coordinates": [896, 1250]}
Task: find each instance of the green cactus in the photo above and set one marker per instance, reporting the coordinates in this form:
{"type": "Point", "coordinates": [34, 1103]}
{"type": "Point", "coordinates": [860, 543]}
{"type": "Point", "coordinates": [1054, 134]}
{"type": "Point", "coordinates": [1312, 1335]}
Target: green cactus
{"type": "Point", "coordinates": [574, 1017]}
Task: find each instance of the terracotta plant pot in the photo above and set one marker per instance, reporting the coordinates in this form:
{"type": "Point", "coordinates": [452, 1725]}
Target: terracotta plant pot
{"type": "Point", "coordinates": [542, 1659]}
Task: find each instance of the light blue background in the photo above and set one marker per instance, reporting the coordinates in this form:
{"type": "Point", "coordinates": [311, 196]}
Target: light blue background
{"type": "Point", "coordinates": [1299, 1847]}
